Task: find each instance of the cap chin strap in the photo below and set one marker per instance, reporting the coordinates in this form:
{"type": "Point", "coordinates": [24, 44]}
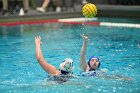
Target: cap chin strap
{"type": "Point", "coordinates": [91, 69]}
{"type": "Point", "coordinates": [90, 66]}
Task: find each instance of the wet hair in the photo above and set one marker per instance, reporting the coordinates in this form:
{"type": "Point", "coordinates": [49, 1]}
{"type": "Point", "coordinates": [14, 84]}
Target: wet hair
{"type": "Point", "coordinates": [92, 58]}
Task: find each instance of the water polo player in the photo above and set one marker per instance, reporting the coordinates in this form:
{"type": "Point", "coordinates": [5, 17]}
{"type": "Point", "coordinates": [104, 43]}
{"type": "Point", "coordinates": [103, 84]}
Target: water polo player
{"type": "Point", "coordinates": [93, 62]}
{"type": "Point", "coordinates": [66, 67]}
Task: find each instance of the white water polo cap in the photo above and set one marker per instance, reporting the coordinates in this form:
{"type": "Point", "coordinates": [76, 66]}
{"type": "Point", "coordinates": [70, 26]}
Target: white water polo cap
{"type": "Point", "coordinates": [67, 65]}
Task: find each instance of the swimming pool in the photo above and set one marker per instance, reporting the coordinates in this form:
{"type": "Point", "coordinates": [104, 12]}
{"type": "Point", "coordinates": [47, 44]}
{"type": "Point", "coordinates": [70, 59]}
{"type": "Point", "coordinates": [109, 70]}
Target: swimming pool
{"type": "Point", "coordinates": [117, 47]}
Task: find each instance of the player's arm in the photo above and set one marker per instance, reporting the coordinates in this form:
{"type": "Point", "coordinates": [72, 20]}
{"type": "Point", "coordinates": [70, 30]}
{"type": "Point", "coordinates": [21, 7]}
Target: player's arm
{"type": "Point", "coordinates": [50, 69]}
{"type": "Point", "coordinates": [83, 63]}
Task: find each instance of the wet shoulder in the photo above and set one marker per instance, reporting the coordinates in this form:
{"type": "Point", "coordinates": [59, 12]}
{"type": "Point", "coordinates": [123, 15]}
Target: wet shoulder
{"type": "Point", "coordinates": [89, 74]}
{"type": "Point", "coordinates": [99, 73]}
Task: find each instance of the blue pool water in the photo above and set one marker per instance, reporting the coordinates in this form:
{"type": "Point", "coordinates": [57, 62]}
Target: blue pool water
{"type": "Point", "coordinates": [117, 47]}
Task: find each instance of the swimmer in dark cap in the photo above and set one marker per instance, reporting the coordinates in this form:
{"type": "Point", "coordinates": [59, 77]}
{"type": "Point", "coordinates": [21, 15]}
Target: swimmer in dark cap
{"type": "Point", "coordinates": [93, 62]}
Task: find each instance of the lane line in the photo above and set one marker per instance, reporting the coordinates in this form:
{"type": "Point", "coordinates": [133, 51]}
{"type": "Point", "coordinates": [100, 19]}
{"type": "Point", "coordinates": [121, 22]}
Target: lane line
{"type": "Point", "coordinates": [74, 21]}
{"type": "Point", "coordinates": [112, 24]}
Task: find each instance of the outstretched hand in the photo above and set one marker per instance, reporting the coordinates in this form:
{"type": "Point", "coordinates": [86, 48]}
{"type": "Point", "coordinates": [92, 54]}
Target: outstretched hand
{"type": "Point", "coordinates": [85, 37]}
{"type": "Point", "coordinates": [38, 40]}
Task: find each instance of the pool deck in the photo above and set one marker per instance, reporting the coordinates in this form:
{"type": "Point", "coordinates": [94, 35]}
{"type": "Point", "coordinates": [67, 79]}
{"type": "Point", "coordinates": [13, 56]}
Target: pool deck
{"type": "Point", "coordinates": [103, 11]}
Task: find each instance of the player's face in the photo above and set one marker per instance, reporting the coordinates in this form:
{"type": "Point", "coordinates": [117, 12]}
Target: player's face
{"type": "Point", "coordinates": [94, 63]}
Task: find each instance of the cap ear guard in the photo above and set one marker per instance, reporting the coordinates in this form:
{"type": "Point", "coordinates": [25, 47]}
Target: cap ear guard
{"type": "Point", "coordinates": [67, 65]}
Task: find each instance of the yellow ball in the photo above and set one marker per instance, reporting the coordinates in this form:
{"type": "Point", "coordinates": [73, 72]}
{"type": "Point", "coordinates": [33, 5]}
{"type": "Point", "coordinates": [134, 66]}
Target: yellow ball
{"type": "Point", "coordinates": [89, 10]}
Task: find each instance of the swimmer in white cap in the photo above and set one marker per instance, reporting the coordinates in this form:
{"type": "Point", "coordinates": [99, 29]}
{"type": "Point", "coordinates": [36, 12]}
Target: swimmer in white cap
{"type": "Point", "coordinates": [66, 67]}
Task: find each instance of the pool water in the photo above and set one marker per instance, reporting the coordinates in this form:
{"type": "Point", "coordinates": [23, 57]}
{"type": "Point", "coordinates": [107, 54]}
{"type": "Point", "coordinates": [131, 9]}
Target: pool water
{"type": "Point", "coordinates": [117, 47]}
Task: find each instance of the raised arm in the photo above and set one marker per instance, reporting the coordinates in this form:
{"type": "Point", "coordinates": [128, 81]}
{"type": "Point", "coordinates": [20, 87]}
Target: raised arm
{"type": "Point", "coordinates": [50, 69]}
{"type": "Point", "coordinates": [83, 63]}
